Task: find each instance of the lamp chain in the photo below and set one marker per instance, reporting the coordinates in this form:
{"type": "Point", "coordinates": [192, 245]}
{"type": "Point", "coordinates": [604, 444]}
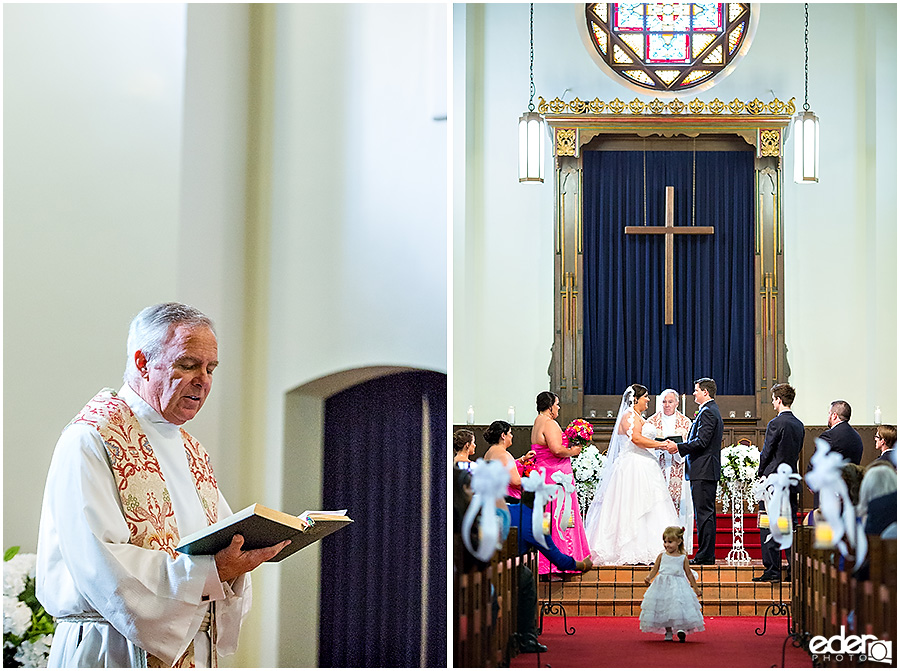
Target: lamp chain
{"type": "Point", "coordinates": [531, 66]}
{"type": "Point", "coordinates": [806, 59]}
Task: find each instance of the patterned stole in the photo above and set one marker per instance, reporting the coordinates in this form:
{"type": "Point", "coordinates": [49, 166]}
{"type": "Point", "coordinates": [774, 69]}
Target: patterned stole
{"type": "Point", "coordinates": [142, 487]}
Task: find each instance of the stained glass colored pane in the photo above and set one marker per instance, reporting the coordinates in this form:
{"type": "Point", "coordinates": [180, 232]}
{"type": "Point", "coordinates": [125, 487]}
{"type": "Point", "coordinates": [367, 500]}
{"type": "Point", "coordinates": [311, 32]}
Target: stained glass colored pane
{"type": "Point", "coordinates": [707, 16]}
{"type": "Point", "coordinates": [600, 37]}
{"type": "Point", "coordinates": [696, 76]}
{"type": "Point", "coordinates": [601, 10]}
{"type": "Point", "coordinates": [667, 48]}
{"type": "Point", "coordinates": [734, 10]}
{"type": "Point", "coordinates": [620, 57]}
{"type": "Point", "coordinates": [639, 76]}
{"type": "Point", "coordinates": [636, 42]}
{"type": "Point", "coordinates": [629, 16]}
{"type": "Point", "coordinates": [715, 56]}
{"type": "Point", "coordinates": [668, 76]}
{"type": "Point", "coordinates": [734, 39]}
{"type": "Point", "coordinates": [668, 17]}
{"type": "Point", "coordinates": [699, 42]}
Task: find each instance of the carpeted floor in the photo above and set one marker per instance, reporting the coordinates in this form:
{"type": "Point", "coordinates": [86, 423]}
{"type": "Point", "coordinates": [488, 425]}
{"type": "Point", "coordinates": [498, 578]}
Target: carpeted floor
{"type": "Point", "coordinates": [617, 642]}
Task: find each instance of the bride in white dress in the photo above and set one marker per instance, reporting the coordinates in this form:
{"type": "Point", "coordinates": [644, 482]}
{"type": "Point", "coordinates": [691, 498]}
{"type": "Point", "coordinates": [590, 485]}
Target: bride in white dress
{"type": "Point", "coordinates": [632, 505]}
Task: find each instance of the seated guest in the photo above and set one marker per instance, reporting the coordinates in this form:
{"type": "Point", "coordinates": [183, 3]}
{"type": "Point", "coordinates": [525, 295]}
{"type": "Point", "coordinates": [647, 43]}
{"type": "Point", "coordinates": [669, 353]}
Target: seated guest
{"type": "Point", "coordinates": [463, 448]}
{"type": "Point", "coordinates": [520, 514]}
{"type": "Point", "coordinates": [499, 437]}
{"type": "Point", "coordinates": [877, 506]}
{"type": "Point", "coordinates": [852, 476]}
{"type": "Point", "coordinates": [886, 441]}
{"type": "Point", "coordinates": [879, 482]}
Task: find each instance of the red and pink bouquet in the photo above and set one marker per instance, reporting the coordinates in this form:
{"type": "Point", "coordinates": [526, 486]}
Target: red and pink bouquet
{"type": "Point", "coordinates": [579, 432]}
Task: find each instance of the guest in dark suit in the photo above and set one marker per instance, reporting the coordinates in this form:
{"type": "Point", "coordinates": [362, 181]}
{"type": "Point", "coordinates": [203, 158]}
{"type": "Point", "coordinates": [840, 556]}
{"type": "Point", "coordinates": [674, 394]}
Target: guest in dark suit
{"type": "Point", "coordinates": [703, 449]}
{"type": "Point", "coordinates": [842, 437]}
{"type": "Point", "coordinates": [784, 440]}
{"type": "Point", "coordinates": [886, 441]}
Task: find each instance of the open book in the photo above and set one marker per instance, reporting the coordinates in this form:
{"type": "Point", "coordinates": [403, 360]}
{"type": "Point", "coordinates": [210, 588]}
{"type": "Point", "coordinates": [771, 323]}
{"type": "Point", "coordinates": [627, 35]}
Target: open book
{"type": "Point", "coordinates": [262, 527]}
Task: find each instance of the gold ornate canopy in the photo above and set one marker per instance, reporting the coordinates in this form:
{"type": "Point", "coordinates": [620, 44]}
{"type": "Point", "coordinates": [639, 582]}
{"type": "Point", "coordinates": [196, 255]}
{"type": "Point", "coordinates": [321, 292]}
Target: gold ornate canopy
{"type": "Point", "coordinates": [573, 125]}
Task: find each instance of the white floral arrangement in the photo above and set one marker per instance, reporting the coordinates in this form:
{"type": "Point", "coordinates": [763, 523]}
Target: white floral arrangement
{"type": "Point", "coordinates": [27, 627]}
{"type": "Point", "coordinates": [586, 468]}
{"type": "Point", "coordinates": [739, 466]}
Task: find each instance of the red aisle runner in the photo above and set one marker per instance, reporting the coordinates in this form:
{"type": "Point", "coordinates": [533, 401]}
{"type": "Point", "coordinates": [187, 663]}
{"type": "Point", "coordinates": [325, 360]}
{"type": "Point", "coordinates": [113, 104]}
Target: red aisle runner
{"type": "Point", "coordinates": [618, 642]}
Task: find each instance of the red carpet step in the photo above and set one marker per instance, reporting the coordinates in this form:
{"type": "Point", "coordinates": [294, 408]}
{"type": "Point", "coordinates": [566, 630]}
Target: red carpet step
{"type": "Point", "coordinates": [619, 590]}
{"type": "Point", "coordinates": [617, 642]}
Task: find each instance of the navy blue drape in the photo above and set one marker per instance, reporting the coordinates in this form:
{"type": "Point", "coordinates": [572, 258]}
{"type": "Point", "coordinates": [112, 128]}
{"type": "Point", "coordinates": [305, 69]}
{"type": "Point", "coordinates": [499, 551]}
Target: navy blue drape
{"type": "Point", "coordinates": [625, 337]}
{"type": "Point", "coordinates": [372, 580]}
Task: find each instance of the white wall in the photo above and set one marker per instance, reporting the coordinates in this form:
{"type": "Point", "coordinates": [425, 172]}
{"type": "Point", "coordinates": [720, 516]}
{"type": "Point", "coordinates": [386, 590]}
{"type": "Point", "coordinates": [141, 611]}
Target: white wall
{"type": "Point", "coordinates": [358, 239]}
{"type": "Point", "coordinates": [92, 105]}
{"type": "Point", "coordinates": [841, 322]}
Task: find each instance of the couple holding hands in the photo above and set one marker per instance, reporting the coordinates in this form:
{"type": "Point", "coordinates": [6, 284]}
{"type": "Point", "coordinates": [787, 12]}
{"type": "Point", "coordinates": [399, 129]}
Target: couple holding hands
{"type": "Point", "coordinates": [643, 486]}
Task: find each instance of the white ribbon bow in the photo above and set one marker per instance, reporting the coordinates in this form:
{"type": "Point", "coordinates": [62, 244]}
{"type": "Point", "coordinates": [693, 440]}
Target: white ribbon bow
{"type": "Point", "coordinates": [825, 478]}
{"type": "Point", "coordinates": [489, 481]}
{"type": "Point", "coordinates": [563, 497]}
{"type": "Point", "coordinates": [775, 491]}
{"type": "Point", "coordinates": [543, 493]}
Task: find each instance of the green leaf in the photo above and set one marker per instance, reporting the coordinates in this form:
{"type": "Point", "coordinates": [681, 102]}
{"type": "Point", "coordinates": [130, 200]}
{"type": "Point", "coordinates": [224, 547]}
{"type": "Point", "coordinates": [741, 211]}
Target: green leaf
{"type": "Point", "coordinates": [9, 554]}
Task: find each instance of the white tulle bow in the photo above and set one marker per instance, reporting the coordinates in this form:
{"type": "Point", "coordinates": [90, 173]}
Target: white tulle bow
{"type": "Point", "coordinates": [489, 481]}
{"type": "Point", "coordinates": [834, 499]}
{"type": "Point", "coordinates": [775, 491]}
{"type": "Point", "coordinates": [543, 493]}
{"type": "Point", "coordinates": [563, 498]}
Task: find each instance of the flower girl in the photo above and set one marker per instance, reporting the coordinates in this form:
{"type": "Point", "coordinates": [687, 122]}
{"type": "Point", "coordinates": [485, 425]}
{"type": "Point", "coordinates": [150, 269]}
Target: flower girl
{"type": "Point", "coordinates": [670, 604]}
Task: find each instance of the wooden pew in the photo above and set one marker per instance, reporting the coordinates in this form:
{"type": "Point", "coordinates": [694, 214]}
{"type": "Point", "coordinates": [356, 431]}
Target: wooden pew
{"type": "Point", "coordinates": [827, 596]}
{"type": "Point", "coordinates": [485, 603]}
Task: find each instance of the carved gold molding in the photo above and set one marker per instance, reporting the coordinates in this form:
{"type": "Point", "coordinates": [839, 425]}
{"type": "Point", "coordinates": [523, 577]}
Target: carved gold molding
{"type": "Point", "coordinates": [769, 142]}
{"type": "Point", "coordinates": [565, 141]}
{"type": "Point", "coordinates": [674, 107]}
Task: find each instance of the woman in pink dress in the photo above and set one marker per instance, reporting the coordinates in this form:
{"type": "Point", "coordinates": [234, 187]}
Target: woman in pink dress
{"type": "Point", "coordinates": [554, 455]}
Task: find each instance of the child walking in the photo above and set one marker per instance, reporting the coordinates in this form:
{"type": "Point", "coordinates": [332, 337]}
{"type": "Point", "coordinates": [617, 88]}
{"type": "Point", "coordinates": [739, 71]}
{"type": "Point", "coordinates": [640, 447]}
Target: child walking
{"type": "Point", "coordinates": [671, 604]}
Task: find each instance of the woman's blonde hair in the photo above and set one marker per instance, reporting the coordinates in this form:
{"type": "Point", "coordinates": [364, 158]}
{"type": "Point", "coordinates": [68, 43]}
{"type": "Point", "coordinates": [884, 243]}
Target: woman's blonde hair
{"type": "Point", "coordinates": [675, 533]}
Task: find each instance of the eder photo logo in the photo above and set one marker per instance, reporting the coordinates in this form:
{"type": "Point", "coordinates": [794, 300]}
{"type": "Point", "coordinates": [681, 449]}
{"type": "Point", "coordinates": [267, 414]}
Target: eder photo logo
{"type": "Point", "coordinates": [863, 648]}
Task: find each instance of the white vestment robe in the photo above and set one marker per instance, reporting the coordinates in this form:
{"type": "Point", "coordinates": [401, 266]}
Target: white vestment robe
{"type": "Point", "coordinates": [135, 599]}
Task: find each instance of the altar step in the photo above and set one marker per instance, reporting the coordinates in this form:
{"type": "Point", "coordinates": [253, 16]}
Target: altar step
{"type": "Point", "coordinates": [619, 590]}
{"type": "Point", "coordinates": [724, 536]}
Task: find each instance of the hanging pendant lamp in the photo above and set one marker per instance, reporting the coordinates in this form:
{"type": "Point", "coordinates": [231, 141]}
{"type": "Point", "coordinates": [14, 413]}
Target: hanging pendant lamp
{"type": "Point", "coordinates": [531, 132]}
{"type": "Point", "coordinates": [806, 127]}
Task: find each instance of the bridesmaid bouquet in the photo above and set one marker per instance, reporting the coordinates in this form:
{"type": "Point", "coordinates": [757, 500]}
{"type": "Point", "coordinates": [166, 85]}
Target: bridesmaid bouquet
{"type": "Point", "coordinates": [579, 432]}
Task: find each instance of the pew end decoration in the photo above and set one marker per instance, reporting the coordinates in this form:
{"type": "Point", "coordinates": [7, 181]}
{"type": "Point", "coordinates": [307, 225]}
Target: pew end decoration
{"type": "Point", "coordinates": [736, 484]}
{"type": "Point", "coordinates": [27, 627]}
{"type": "Point", "coordinates": [774, 492]}
{"type": "Point", "coordinates": [543, 493]}
{"type": "Point", "coordinates": [840, 528]}
{"type": "Point", "coordinates": [489, 481]}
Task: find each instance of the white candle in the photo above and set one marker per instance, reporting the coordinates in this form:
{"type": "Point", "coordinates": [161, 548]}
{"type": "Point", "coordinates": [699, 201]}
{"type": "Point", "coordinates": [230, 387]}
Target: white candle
{"type": "Point", "coordinates": [683, 401]}
{"type": "Point", "coordinates": [470, 415]}
{"type": "Point", "coordinates": [512, 414]}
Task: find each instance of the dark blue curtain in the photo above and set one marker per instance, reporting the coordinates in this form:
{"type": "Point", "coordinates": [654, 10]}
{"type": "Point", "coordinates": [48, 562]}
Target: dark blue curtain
{"type": "Point", "coordinates": [625, 336]}
{"type": "Point", "coordinates": [372, 580]}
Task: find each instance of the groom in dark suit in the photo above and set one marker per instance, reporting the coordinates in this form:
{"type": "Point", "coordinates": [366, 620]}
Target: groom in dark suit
{"type": "Point", "coordinates": [704, 466]}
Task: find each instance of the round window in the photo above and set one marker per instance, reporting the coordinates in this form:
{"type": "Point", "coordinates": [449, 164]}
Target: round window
{"type": "Point", "coordinates": [669, 46]}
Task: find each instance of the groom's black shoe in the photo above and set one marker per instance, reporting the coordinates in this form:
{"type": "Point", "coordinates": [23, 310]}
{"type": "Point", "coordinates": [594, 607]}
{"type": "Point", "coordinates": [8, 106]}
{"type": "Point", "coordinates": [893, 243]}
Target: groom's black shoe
{"type": "Point", "coordinates": [702, 562]}
{"type": "Point", "coordinates": [767, 577]}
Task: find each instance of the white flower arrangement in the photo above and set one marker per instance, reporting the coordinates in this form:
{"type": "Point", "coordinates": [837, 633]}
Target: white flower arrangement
{"type": "Point", "coordinates": [586, 468]}
{"type": "Point", "coordinates": [27, 627]}
{"type": "Point", "coordinates": [739, 466]}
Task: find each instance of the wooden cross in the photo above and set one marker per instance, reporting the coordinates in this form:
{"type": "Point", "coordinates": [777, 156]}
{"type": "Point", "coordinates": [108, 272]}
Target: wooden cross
{"type": "Point", "coordinates": [670, 230]}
